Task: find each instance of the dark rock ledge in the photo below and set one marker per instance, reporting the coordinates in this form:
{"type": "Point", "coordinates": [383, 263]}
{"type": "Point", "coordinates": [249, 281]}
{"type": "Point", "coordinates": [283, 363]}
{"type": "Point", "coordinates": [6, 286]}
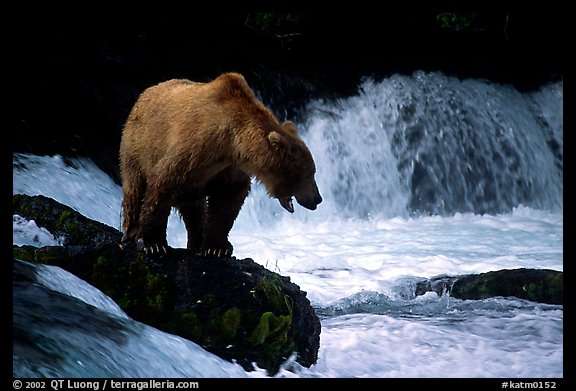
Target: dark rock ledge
{"type": "Point", "coordinates": [540, 285]}
{"type": "Point", "coordinates": [234, 308]}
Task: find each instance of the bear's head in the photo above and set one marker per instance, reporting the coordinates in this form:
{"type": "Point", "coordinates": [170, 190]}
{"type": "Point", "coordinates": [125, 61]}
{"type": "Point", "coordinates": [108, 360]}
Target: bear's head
{"type": "Point", "coordinates": [293, 170]}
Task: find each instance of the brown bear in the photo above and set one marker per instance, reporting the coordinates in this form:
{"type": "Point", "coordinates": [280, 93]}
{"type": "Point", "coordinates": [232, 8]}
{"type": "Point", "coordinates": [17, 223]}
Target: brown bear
{"type": "Point", "coordinates": [195, 146]}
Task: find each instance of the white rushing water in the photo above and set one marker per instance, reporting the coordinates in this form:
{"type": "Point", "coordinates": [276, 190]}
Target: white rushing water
{"type": "Point", "coordinates": [421, 175]}
{"type": "Point", "coordinates": [96, 344]}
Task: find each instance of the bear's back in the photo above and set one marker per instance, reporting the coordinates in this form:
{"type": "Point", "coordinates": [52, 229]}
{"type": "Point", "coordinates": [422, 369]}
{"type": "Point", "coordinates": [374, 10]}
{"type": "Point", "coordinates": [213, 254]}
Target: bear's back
{"type": "Point", "coordinates": [226, 87]}
{"type": "Point", "coordinates": [181, 105]}
{"type": "Point", "coordinates": [232, 84]}
{"type": "Point", "coordinates": [171, 87]}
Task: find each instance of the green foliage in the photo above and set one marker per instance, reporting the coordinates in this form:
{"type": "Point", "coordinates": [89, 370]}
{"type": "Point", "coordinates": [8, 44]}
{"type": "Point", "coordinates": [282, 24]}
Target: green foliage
{"type": "Point", "coordinates": [271, 289]}
{"type": "Point", "coordinates": [455, 21]}
{"type": "Point", "coordinates": [276, 24]}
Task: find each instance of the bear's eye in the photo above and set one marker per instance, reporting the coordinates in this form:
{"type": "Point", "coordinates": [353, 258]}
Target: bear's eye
{"type": "Point", "coordinates": [296, 149]}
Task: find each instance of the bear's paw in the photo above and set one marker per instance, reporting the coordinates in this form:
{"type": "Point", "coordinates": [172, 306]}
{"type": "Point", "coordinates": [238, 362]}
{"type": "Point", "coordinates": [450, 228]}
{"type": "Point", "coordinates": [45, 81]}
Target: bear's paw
{"type": "Point", "coordinates": [152, 248]}
{"type": "Point", "coordinates": [217, 252]}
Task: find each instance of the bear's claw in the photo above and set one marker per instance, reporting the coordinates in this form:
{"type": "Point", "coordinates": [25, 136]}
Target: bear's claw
{"type": "Point", "coordinates": [151, 249]}
{"type": "Point", "coordinates": [155, 249]}
{"type": "Point", "coordinates": [217, 252]}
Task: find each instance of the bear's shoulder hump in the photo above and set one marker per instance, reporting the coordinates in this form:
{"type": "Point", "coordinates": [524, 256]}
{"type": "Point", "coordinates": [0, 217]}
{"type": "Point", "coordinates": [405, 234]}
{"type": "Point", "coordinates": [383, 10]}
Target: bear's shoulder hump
{"type": "Point", "coordinates": [234, 84]}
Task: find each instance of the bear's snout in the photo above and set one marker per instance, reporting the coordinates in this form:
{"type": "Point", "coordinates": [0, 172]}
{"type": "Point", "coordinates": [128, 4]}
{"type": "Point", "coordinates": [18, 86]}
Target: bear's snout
{"type": "Point", "coordinates": [311, 199]}
{"type": "Point", "coordinates": [310, 203]}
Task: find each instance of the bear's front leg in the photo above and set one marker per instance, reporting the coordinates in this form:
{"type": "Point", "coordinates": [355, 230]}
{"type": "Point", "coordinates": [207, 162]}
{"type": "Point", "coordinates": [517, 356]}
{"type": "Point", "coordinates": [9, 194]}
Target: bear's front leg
{"type": "Point", "coordinates": [153, 223]}
{"type": "Point", "coordinates": [226, 194]}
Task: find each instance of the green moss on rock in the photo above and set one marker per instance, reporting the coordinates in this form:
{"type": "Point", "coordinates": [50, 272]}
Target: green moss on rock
{"type": "Point", "coordinates": [185, 324]}
{"type": "Point", "coordinates": [271, 329]}
{"type": "Point", "coordinates": [63, 218]}
{"type": "Point", "coordinates": [63, 221]}
{"type": "Point", "coordinates": [141, 290]}
{"type": "Point", "coordinates": [544, 286]}
{"type": "Point", "coordinates": [231, 320]}
{"type": "Point", "coordinates": [144, 293]}
{"type": "Point", "coordinates": [50, 255]}
{"type": "Point", "coordinates": [271, 339]}
{"type": "Point", "coordinates": [25, 253]}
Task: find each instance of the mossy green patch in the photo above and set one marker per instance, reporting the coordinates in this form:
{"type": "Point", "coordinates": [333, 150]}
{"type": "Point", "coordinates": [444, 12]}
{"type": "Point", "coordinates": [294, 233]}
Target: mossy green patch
{"type": "Point", "coordinates": [545, 286]}
{"type": "Point", "coordinates": [65, 215]}
{"type": "Point", "coordinates": [142, 292]}
{"type": "Point", "coordinates": [555, 283]}
{"type": "Point", "coordinates": [270, 339]}
{"type": "Point", "coordinates": [25, 253]}
{"type": "Point", "coordinates": [50, 256]}
{"type": "Point", "coordinates": [67, 224]}
{"type": "Point", "coordinates": [146, 295]}
{"type": "Point", "coordinates": [186, 324]}
{"type": "Point", "coordinates": [231, 320]}
{"type": "Point", "coordinates": [548, 290]}
{"type": "Point", "coordinates": [271, 329]}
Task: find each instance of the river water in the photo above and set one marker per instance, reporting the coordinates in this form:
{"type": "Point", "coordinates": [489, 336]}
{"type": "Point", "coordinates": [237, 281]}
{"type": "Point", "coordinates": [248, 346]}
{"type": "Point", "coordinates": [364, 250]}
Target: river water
{"type": "Point", "coordinates": [421, 175]}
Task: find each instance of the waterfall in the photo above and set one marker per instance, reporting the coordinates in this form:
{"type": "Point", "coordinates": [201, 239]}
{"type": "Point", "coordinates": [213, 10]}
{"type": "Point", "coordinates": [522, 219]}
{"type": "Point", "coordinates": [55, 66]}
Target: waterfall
{"type": "Point", "coordinates": [431, 144]}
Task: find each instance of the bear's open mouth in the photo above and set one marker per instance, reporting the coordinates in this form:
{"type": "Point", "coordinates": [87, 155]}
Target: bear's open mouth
{"type": "Point", "coordinates": [287, 204]}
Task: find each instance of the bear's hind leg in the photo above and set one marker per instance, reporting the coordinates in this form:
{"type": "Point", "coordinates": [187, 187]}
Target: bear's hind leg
{"type": "Point", "coordinates": [226, 194]}
{"type": "Point", "coordinates": [154, 220]}
{"type": "Point", "coordinates": [191, 209]}
{"type": "Point", "coordinates": [133, 190]}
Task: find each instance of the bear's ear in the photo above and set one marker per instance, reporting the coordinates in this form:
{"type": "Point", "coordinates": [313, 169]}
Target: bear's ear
{"type": "Point", "coordinates": [290, 126]}
{"type": "Point", "coordinates": [277, 140]}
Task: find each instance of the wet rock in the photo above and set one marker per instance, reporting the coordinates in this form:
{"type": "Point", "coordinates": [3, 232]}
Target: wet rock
{"type": "Point", "coordinates": [58, 335]}
{"type": "Point", "coordinates": [43, 321]}
{"type": "Point", "coordinates": [439, 284]}
{"type": "Point", "coordinates": [63, 221]}
{"type": "Point", "coordinates": [540, 285]}
{"type": "Point", "coordinates": [234, 308]}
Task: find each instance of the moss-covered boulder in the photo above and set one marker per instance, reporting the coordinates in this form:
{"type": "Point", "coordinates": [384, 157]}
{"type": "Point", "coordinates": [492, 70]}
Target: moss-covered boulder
{"type": "Point", "coordinates": [232, 307]}
{"type": "Point", "coordinates": [62, 221]}
{"type": "Point", "coordinates": [540, 285]}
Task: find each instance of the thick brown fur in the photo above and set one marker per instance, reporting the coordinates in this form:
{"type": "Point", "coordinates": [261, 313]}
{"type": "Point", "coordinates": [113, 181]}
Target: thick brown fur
{"type": "Point", "coordinates": [194, 146]}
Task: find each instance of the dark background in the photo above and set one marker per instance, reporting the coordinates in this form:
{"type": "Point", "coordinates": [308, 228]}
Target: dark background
{"type": "Point", "coordinates": [77, 72]}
